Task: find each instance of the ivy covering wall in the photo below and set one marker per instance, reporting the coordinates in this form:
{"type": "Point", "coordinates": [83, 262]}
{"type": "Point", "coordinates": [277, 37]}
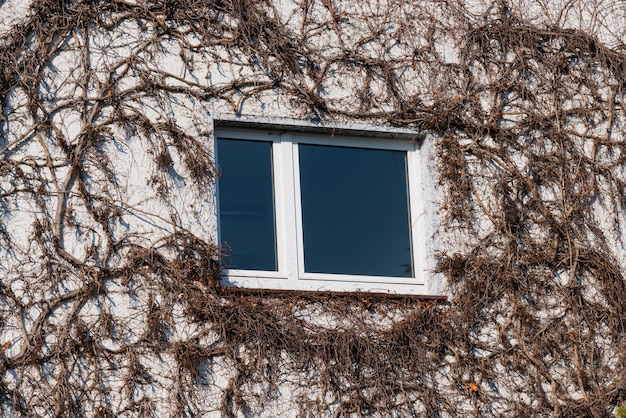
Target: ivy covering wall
{"type": "Point", "coordinates": [110, 303]}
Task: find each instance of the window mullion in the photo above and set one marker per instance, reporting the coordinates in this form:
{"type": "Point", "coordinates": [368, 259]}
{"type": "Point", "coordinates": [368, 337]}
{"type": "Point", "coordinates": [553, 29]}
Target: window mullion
{"type": "Point", "coordinates": [286, 200]}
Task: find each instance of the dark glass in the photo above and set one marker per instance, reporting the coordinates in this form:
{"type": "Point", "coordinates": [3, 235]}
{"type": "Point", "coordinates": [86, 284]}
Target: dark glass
{"type": "Point", "coordinates": [355, 216]}
{"type": "Point", "coordinates": [246, 204]}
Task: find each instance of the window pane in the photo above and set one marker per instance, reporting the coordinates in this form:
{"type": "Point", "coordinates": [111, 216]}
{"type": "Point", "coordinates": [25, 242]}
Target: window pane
{"type": "Point", "coordinates": [246, 204]}
{"type": "Point", "coordinates": [355, 216]}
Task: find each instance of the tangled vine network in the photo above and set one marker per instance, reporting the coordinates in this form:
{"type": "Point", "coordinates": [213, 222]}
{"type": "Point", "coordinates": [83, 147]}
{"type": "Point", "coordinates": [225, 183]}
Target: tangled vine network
{"type": "Point", "coordinates": [110, 303]}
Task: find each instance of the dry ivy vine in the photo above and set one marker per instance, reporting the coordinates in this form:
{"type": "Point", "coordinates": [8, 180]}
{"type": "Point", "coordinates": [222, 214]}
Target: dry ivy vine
{"type": "Point", "coordinates": [525, 101]}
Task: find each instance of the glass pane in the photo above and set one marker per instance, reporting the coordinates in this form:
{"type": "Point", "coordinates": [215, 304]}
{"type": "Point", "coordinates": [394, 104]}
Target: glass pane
{"type": "Point", "coordinates": [246, 204]}
{"type": "Point", "coordinates": [355, 216]}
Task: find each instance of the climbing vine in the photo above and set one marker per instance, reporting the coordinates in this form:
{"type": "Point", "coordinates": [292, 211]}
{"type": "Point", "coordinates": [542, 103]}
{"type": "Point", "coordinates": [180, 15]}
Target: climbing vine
{"type": "Point", "coordinates": [109, 271]}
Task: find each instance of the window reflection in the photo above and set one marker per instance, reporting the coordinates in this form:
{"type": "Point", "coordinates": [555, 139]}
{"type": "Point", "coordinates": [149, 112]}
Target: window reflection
{"type": "Point", "coordinates": [246, 204]}
{"type": "Point", "coordinates": [355, 216]}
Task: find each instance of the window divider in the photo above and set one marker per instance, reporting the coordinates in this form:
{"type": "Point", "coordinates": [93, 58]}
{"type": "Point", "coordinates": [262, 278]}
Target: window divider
{"type": "Point", "coordinates": [285, 208]}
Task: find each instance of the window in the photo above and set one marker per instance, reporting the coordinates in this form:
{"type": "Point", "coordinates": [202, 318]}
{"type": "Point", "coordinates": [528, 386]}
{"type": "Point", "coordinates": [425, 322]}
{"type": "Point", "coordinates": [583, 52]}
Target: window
{"type": "Point", "coordinates": [315, 210]}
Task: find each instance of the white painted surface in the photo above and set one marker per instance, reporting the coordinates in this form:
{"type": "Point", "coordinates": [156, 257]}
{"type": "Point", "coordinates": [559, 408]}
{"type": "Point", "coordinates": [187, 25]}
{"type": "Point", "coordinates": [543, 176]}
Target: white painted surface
{"type": "Point", "coordinates": [12, 12]}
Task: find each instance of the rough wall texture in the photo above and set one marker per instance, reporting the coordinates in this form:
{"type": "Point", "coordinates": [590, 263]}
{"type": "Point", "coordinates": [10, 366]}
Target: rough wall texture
{"type": "Point", "coordinates": [108, 274]}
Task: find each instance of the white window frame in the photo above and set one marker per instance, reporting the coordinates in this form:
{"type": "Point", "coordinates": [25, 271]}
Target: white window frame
{"type": "Point", "coordinates": [290, 275]}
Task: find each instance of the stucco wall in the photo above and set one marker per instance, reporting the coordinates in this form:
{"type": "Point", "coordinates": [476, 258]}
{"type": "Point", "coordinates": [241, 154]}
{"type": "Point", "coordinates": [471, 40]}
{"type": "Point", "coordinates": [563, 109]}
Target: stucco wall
{"type": "Point", "coordinates": [108, 255]}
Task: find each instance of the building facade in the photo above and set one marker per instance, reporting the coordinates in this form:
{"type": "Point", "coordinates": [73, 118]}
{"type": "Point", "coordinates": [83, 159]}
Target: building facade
{"type": "Point", "coordinates": [312, 208]}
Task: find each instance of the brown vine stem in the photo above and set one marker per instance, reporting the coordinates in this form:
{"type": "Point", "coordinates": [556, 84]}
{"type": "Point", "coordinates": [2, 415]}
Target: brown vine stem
{"type": "Point", "coordinates": [540, 366]}
{"type": "Point", "coordinates": [36, 329]}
